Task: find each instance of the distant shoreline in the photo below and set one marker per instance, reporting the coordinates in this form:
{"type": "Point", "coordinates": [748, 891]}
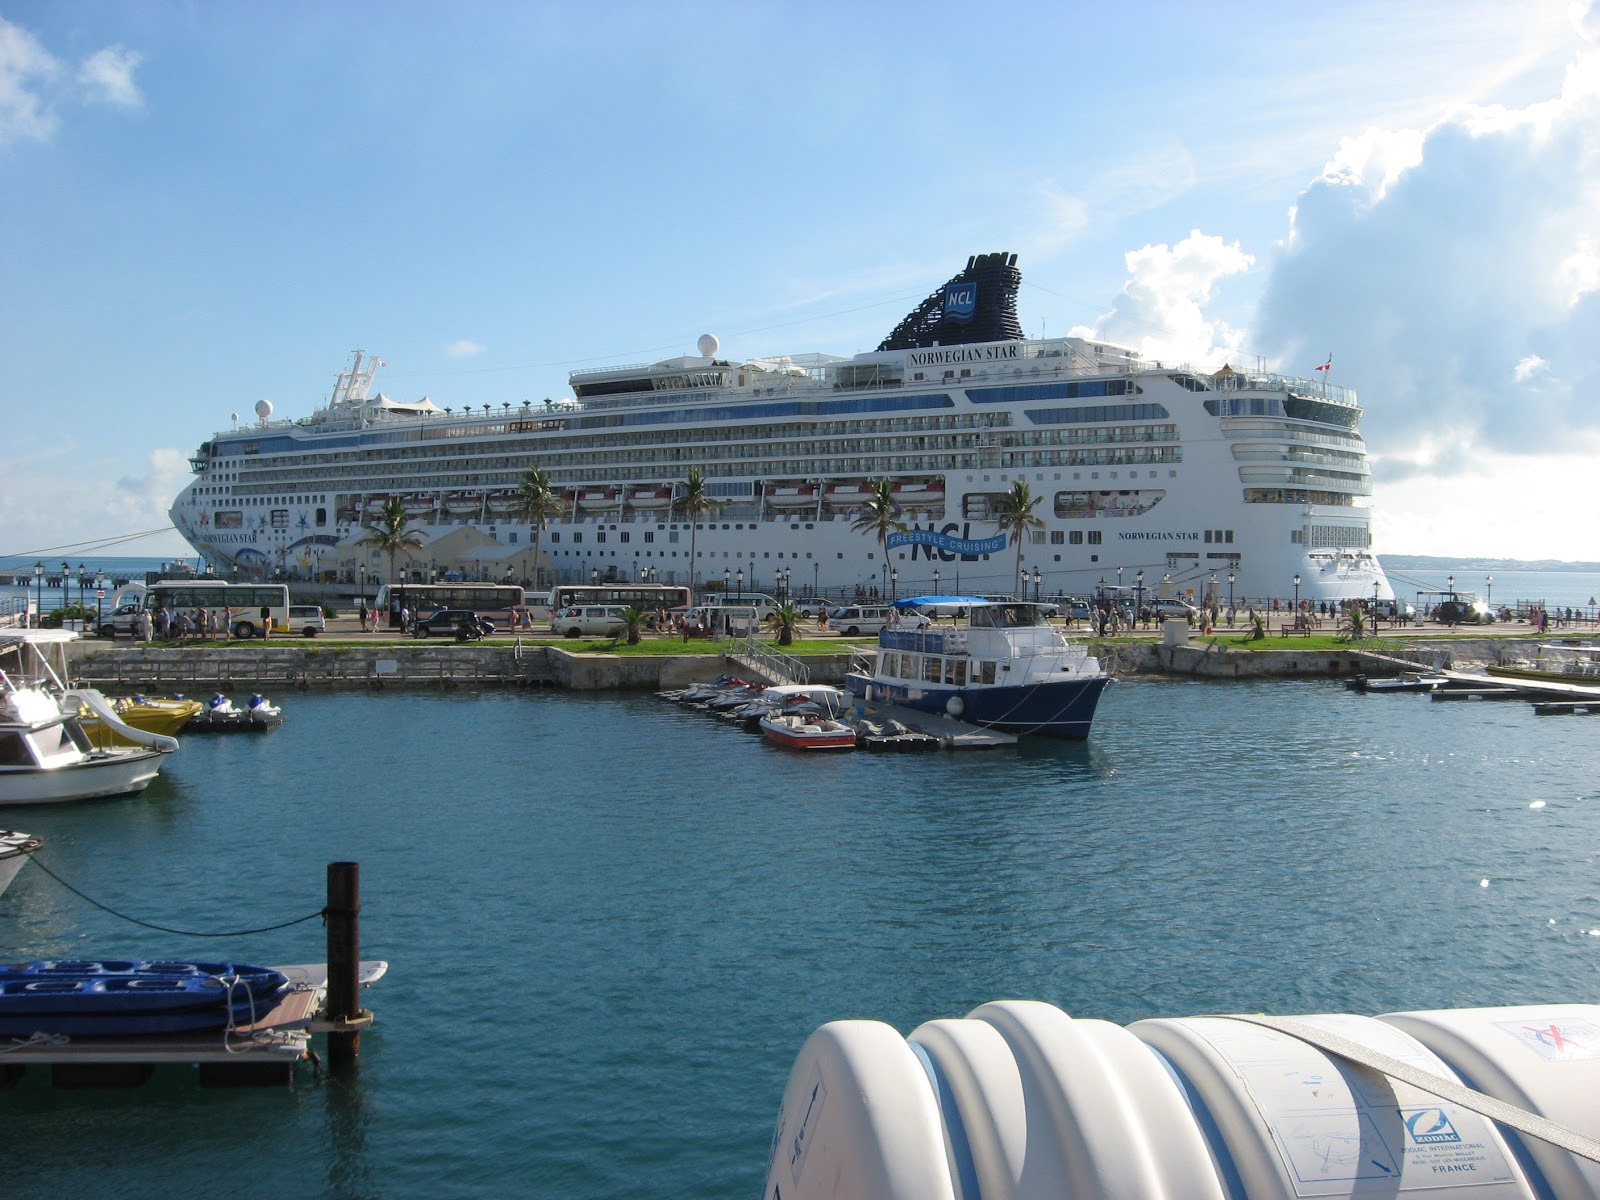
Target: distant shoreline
{"type": "Point", "coordinates": [1430, 562]}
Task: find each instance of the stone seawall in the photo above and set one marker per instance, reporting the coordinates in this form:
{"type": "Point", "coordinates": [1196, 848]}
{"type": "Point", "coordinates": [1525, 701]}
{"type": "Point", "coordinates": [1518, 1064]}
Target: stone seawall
{"type": "Point", "coordinates": [191, 669]}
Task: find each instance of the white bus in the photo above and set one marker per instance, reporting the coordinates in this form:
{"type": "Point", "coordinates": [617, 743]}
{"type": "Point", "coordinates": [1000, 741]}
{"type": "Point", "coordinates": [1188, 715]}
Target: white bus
{"type": "Point", "coordinates": [501, 603]}
{"type": "Point", "coordinates": [238, 606]}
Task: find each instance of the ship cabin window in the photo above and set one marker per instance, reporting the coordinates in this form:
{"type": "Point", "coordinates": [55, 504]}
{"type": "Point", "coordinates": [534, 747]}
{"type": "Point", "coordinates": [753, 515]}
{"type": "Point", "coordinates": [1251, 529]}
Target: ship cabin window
{"type": "Point", "coordinates": [599, 537]}
{"type": "Point", "coordinates": [1056, 537]}
{"type": "Point", "coordinates": [649, 537]}
{"type": "Point", "coordinates": [555, 537]}
{"type": "Point", "coordinates": [280, 518]}
{"type": "Point", "coordinates": [1094, 537]}
{"type": "Point", "coordinates": [625, 535]}
{"type": "Point", "coordinates": [983, 671]}
{"type": "Point", "coordinates": [577, 536]}
{"type": "Point", "coordinates": [932, 668]}
{"type": "Point", "coordinates": [321, 517]}
{"type": "Point", "coordinates": [1075, 538]}
{"type": "Point", "coordinates": [956, 672]}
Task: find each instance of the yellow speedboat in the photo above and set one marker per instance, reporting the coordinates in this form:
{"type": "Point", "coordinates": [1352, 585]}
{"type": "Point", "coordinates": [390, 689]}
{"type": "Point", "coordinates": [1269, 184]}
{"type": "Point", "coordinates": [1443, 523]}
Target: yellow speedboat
{"type": "Point", "coordinates": [152, 716]}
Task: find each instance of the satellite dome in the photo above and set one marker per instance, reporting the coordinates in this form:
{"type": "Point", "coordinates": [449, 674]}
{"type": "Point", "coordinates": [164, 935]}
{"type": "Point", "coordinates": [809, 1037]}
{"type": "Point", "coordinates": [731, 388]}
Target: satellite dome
{"type": "Point", "coordinates": [263, 409]}
{"type": "Point", "coordinates": [708, 345]}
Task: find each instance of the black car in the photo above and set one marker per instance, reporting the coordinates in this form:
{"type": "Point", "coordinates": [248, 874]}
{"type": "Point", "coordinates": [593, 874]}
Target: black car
{"type": "Point", "coordinates": [462, 624]}
{"type": "Point", "coordinates": [1462, 612]}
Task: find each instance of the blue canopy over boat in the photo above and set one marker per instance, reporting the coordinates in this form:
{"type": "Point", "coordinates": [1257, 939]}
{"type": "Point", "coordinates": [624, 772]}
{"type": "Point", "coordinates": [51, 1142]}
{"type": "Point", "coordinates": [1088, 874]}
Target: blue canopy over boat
{"type": "Point", "coordinates": [948, 601]}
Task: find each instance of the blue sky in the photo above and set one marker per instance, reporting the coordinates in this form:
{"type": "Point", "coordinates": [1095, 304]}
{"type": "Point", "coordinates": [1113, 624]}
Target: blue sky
{"type": "Point", "coordinates": [207, 205]}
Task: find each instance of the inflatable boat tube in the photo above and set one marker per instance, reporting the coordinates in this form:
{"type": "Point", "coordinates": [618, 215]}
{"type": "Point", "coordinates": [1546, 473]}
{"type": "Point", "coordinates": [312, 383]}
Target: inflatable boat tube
{"type": "Point", "coordinates": [858, 1119]}
{"type": "Point", "coordinates": [1541, 1057]}
{"type": "Point", "coordinates": [1294, 1121]}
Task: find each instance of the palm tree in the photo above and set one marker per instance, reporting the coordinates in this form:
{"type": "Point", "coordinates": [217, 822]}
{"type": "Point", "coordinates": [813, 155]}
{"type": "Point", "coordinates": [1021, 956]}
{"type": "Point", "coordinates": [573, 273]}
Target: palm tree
{"type": "Point", "coordinates": [633, 620]}
{"type": "Point", "coordinates": [786, 619]}
{"type": "Point", "coordinates": [694, 502]}
{"type": "Point", "coordinates": [1016, 517]}
{"type": "Point", "coordinates": [390, 533]}
{"type": "Point", "coordinates": [537, 502]}
{"type": "Point", "coordinates": [880, 516]}
{"type": "Point", "coordinates": [1353, 625]}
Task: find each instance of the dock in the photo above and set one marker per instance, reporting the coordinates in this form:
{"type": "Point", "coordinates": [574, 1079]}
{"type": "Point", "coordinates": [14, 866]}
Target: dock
{"type": "Point", "coordinates": [1548, 696]}
{"type": "Point", "coordinates": [263, 1053]}
{"type": "Point", "coordinates": [950, 733]}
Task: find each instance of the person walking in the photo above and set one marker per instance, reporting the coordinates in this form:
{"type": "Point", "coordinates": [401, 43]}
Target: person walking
{"type": "Point", "coordinates": [266, 621]}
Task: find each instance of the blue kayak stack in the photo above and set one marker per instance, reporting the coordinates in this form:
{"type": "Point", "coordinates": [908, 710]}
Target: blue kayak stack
{"type": "Point", "coordinates": [121, 999]}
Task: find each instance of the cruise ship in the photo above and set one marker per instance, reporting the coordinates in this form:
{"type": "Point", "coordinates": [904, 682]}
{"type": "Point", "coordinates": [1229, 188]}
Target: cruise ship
{"type": "Point", "coordinates": [1234, 485]}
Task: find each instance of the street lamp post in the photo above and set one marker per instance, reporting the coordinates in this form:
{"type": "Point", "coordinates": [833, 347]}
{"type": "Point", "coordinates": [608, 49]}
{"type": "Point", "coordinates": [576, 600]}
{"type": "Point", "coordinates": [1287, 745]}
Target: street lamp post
{"type": "Point", "coordinates": [1231, 578]}
{"type": "Point", "coordinates": [99, 596]}
{"type": "Point", "coordinates": [1297, 596]}
{"type": "Point", "coordinates": [66, 585]}
{"type": "Point", "coordinates": [1138, 592]}
{"type": "Point", "coordinates": [1038, 580]}
{"type": "Point", "coordinates": [739, 576]}
{"type": "Point", "coordinates": [894, 584]}
{"type": "Point", "coordinates": [936, 581]}
{"type": "Point", "coordinates": [1452, 582]}
{"type": "Point", "coordinates": [727, 580]}
{"type": "Point", "coordinates": [1488, 590]}
{"type": "Point", "coordinates": [1211, 592]}
{"type": "Point", "coordinates": [38, 593]}
{"type": "Point", "coordinates": [1375, 605]}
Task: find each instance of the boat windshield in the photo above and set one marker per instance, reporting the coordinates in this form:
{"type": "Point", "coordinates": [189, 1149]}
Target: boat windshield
{"type": "Point", "coordinates": [1007, 616]}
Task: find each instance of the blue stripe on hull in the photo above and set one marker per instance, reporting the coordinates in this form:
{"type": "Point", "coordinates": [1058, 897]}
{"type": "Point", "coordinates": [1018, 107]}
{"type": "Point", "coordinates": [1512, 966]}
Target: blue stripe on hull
{"type": "Point", "coordinates": [1063, 710]}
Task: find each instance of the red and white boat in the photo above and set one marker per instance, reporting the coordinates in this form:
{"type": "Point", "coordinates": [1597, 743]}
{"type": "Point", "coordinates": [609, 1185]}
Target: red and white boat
{"type": "Point", "coordinates": [805, 731]}
{"type": "Point", "coordinates": [848, 495]}
{"type": "Point", "coordinates": [598, 499]}
{"type": "Point", "coordinates": [801, 495]}
{"type": "Point", "coordinates": [650, 497]}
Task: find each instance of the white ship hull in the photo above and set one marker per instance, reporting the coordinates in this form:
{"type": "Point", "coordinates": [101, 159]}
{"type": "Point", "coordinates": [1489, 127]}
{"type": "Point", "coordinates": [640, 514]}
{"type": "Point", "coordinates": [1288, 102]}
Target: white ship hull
{"type": "Point", "coordinates": [1181, 476]}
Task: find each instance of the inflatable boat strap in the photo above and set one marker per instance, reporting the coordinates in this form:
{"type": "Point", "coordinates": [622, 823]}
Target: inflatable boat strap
{"type": "Point", "coordinates": [1519, 1119]}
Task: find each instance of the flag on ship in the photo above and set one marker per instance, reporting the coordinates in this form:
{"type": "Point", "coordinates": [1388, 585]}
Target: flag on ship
{"type": "Point", "coordinates": [1329, 364]}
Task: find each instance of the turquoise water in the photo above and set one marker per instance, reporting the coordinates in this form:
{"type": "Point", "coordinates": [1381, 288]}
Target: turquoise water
{"type": "Point", "coordinates": [612, 922]}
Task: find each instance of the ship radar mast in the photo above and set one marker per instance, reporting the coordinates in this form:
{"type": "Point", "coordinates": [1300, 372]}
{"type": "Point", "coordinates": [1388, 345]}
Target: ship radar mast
{"type": "Point", "coordinates": [351, 389]}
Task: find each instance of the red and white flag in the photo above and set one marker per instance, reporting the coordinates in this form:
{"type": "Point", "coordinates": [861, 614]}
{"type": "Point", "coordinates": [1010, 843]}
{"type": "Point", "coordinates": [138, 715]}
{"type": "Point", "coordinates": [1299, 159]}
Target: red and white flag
{"type": "Point", "coordinates": [1327, 366]}
{"type": "Point", "coordinates": [381, 363]}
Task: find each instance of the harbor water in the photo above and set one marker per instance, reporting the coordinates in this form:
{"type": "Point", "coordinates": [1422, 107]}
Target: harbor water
{"type": "Point", "coordinates": [612, 922]}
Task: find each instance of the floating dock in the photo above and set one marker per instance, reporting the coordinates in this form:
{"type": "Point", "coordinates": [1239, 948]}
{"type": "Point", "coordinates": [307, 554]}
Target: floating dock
{"type": "Point", "coordinates": [950, 733]}
{"type": "Point", "coordinates": [263, 1053]}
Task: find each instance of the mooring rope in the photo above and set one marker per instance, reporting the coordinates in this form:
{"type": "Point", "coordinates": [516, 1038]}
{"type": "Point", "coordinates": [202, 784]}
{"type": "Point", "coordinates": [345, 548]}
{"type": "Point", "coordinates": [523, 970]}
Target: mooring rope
{"type": "Point", "coordinates": [321, 912]}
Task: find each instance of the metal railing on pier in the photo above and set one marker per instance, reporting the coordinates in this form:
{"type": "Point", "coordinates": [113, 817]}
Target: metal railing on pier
{"type": "Point", "coordinates": [758, 656]}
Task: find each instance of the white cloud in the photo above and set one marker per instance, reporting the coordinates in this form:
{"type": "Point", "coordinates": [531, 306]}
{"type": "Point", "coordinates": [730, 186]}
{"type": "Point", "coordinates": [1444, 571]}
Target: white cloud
{"type": "Point", "coordinates": [32, 81]}
{"type": "Point", "coordinates": [25, 65]}
{"type": "Point", "coordinates": [463, 348]}
{"type": "Point", "coordinates": [1434, 267]}
{"type": "Point", "coordinates": [1160, 310]}
{"type": "Point", "coordinates": [107, 77]}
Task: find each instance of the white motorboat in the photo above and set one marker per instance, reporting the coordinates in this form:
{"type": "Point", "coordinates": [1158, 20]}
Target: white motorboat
{"type": "Point", "coordinates": [14, 851]}
{"type": "Point", "coordinates": [808, 732]}
{"type": "Point", "coordinates": [1001, 666]}
{"type": "Point", "coordinates": [45, 756]}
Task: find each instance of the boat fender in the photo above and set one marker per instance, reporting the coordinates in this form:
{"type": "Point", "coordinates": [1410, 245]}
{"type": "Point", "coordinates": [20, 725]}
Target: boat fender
{"type": "Point", "coordinates": [955, 706]}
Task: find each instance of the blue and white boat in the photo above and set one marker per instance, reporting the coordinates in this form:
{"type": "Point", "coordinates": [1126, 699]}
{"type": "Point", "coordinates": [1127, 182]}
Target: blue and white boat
{"type": "Point", "coordinates": [999, 664]}
{"type": "Point", "coordinates": [111, 999]}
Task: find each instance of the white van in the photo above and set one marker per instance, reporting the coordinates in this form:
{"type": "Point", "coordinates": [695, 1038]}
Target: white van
{"type": "Point", "coordinates": [306, 619]}
{"type": "Point", "coordinates": [853, 620]}
{"type": "Point", "coordinates": [587, 620]}
{"type": "Point", "coordinates": [766, 607]}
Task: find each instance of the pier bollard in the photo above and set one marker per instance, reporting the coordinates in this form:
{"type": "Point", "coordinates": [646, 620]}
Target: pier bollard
{"type": "Point", "coordinates": [344, 958]}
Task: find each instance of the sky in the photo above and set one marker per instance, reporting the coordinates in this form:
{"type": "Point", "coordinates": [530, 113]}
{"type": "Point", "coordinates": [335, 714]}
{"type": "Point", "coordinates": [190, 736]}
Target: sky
{"type": "Point", "coordinates": [206, 205]}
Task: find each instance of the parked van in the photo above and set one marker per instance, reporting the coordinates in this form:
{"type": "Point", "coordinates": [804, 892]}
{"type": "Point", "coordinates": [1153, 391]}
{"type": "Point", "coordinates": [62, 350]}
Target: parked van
{"type": "Point", "coordinates": [723, 620]}
{"type": "Point", "coordinates": [764, 604]}
{"type": "Point", "coordinates": [306, 619]}
{"type": "Point", "coordinates": [587, 620]}
{"type": "Point", "coordinates": [856, 619]}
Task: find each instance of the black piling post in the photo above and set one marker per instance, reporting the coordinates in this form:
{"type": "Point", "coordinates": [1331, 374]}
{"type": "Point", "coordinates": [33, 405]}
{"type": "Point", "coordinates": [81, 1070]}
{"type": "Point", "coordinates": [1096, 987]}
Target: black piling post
{"type": "Point", "coordinates": [344, 958]}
